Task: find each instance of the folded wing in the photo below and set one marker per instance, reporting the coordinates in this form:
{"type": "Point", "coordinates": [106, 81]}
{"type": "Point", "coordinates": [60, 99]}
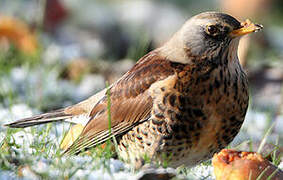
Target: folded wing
{"type": "Point", "coordinates": [130, 100]}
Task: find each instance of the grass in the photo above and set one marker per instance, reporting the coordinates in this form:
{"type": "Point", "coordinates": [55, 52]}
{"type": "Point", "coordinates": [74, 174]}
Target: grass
{"type": "Point", "coordinates": [15, 156]}
{"type": "Point", "coordinates": [44, 148]}
{"type": "Point", "coordinates": [43, 157]}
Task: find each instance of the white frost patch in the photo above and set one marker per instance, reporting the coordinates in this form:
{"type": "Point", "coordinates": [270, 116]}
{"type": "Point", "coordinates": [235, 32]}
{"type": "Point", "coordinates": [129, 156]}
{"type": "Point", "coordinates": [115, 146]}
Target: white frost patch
{"type": "Point", "coordinates": [201, 172]}
{"type": "Point", "coordinates": [116, 165]}
{"type": "Point", "coordinates": [20, 111]}
{"type": "Point", "coordinates": [52, 54]}
{"type": "Point", "coordinates": [25, 140]}
{"type": "Point", "coordinates": [40, 166]}
{"type": "Point", "coordinates": [27, 173]}
{"type": "Point", "coordinates": [8, 175]}
{"type": "Point", "coordinates": [103, 174]}
{"type": "Point", "coordinates": [2, 136]}
{"type": "Point", "coordinates": [5, 115]}
{"type": "Point", "coordinates": [18, 75]}
{"type": "Point", "coordinates": [37, 85]}
{"type": "Point", "coordinates": [15, 112]}
{"type": "Point", "coordinates": [115, 171]}
{"type": "Point", "coordinates": [255, 124]}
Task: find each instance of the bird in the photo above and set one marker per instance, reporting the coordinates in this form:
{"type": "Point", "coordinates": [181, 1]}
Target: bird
{"type": "Point", "coordinates": [179, 104]}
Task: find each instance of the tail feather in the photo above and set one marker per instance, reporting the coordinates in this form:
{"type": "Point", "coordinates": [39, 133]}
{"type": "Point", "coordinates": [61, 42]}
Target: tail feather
{"type": "Point", "coordinates": [58, 115]}
{"type": "Point", "coordinates": [83, 108]}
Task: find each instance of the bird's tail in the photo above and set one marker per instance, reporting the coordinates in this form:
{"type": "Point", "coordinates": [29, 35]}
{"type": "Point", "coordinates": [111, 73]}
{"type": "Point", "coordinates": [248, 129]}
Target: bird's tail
{"type": "Point", "coordinates": [69, 114]}
{"type": "Point", "coordinates": [58, 115]}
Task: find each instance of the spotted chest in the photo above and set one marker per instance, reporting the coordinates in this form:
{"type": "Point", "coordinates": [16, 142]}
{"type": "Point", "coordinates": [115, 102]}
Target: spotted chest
{"type": "Point", "coordinates": [192, 117]}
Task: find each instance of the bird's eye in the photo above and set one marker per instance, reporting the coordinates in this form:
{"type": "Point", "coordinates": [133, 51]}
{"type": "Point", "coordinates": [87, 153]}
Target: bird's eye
{"type": "Point", "coordinates": [226, 29]}
{"type": "Point", "coordinates": [212, 30]}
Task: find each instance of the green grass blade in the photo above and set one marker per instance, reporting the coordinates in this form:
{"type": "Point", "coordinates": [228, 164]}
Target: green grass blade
{"type": "Point", "coordinates": [262, 143]}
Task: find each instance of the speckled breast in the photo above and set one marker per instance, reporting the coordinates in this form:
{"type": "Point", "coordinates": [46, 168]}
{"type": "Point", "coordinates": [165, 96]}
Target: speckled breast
{"type": "Point", "coordinates": [193, 116]}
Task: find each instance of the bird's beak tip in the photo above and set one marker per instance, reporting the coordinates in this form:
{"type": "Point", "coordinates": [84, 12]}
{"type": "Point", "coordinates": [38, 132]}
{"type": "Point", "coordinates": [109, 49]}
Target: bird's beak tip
{"type": "Point", "coordinates": [247, 27]}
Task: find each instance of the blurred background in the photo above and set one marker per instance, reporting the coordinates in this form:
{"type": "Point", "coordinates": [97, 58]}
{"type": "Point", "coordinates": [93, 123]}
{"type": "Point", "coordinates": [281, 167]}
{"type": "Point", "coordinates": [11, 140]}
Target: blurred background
{"type": "Point", "coordinates": [54, 53]}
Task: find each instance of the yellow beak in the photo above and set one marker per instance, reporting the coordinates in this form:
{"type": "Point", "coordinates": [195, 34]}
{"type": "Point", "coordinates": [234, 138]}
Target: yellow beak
{"type": "Point", "coordinates": [246, 28]}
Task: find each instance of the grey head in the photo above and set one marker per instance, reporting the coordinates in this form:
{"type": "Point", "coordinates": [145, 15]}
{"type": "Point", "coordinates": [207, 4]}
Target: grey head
{"type": "Point", "coordinates": [206, 35]}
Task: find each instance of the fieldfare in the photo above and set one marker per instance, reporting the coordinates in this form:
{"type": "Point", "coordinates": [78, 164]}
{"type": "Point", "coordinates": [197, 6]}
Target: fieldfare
{"type": "Point", "coordinates": [180, 103]}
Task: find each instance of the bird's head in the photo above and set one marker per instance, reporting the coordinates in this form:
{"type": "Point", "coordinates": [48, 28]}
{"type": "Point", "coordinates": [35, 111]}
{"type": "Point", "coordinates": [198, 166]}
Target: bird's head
{"type": "Point", "coordinates": [206, 35]}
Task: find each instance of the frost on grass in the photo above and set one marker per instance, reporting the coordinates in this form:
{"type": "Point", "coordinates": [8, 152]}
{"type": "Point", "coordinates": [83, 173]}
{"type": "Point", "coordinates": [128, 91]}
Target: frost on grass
{"type": "Point", "coordinates": [25, 140]}
{"type": "Point", "coordinates": [42, 87]}
{"type": "Point", "coordinates": [8, 175]}
{"type": "Point", "coordinates": [15, 112]}
{"type": "Point", "coordinates": [201, 171]}
{"type": "Point", "coordinates": [39, 160]}
{"type": "Point", "coordinates": [37, 148]}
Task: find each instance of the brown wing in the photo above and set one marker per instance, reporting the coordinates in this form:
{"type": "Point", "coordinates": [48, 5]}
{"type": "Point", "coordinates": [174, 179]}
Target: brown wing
{"type": "Point", "coordinates": [130, 102]}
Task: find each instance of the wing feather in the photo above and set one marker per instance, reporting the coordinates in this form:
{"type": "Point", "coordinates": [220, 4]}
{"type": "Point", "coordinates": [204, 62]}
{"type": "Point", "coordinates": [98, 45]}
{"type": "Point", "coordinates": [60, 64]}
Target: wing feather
{"type": "Point", "coordinates": [131, 102]}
